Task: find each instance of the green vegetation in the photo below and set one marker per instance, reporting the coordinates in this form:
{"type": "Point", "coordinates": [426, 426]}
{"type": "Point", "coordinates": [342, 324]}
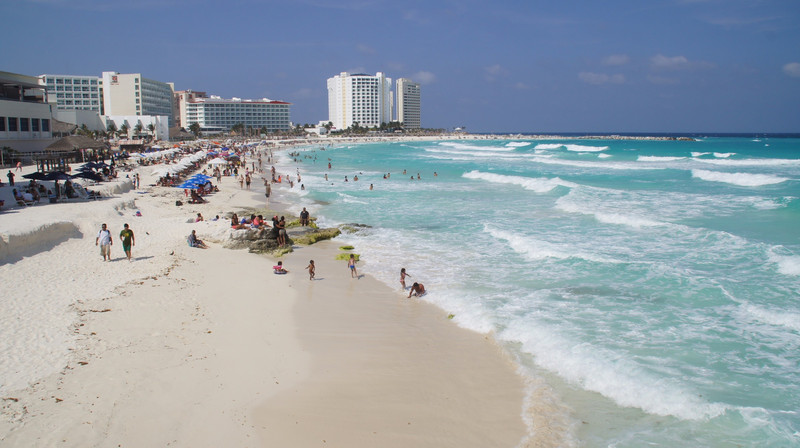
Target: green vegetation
{"type": "Point", "coordinates": [346, 248]}
{"type": "Point", "coordinates": [346, 256]}
{"type": "Point", "coordinates": [313, 237]}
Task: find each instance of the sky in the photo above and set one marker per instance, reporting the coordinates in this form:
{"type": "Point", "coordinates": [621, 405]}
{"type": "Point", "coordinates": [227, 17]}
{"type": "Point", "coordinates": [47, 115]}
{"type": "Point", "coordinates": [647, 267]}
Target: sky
{"type": "Point", "coordinates": [501, 66]}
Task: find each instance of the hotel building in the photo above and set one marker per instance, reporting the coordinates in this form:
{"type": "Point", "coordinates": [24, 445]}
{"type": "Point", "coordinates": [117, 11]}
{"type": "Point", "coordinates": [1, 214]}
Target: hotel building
{"type": "Point", "coordinates": [67, 92]}
{"type": "Point", "coordinates": [408, 103]}
{"type": "Point", "coordinates": [216, 115]}
{"type": "Point", "coordinates": [25, 115]}
{"type": "Point", "coordinates": [133, 94]}
{"type": "Point", "coordinates": [359, 98]}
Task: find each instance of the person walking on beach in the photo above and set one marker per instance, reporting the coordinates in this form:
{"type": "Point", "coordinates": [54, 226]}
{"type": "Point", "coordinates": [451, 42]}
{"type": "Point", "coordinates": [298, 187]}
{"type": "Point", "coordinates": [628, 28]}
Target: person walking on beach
{"type": "Point", "coordinates": [310, 268]}
{"type": "Point", "coordinates": [104, 241]}
{"type": "Point", "coordinates": [351, 263]}
{"type": "Point", "coordinates": [128, 240]}
{"type": "Point", "coordinates": [10, 176]}
{"type": "Point", "coordinates": [403, 276]}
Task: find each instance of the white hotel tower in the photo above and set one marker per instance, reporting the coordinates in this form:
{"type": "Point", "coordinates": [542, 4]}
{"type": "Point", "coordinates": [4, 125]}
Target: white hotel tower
{"type": "Point", "coordinates": [408, 103]}
{"type": "Point", "coordinates": [362, 99]}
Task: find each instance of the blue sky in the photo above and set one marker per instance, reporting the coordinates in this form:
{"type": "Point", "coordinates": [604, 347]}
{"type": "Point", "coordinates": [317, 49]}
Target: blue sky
{"type": "Point", "coordinates": [502, 66]}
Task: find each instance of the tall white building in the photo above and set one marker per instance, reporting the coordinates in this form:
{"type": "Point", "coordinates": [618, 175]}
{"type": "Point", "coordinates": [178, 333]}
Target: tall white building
{"type": "Point", "coordinates": [133, 94]}
{"type": "Point", "coordinates": [69, 92]}
{"type": "Point", "coordinates": [408, 103]}
{"type": "Point", "coordinates": [216, 115]}
{"type": "Point", "coordinates": [359, 98]}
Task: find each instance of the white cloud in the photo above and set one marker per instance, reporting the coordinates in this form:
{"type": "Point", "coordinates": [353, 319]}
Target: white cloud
{"type": "Point", "coordinates": [522, 86]}
{"type": "Point", "coordinates": [601, 78]}
{"type": "Point", "coordinates": [616, 60]}
{"type": "Point", "coordinates": [424, 77]}
{"type": "Point", "coordinates": [660, 61]}
{"type": "Point", "coordinates": [494, 71]}
{"type": "Point", "coordinates": [792, 69]}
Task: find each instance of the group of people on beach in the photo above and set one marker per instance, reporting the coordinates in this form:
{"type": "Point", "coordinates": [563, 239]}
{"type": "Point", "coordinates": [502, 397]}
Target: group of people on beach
{"type": "Point", "coordinates": [105, 241]}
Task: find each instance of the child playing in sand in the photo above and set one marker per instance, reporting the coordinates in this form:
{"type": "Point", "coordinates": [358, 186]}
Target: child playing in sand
{"type": "Point", "coordinates": [351, 263]}
{"type": "Point", "coordinates": [403, 276]}
{"type": "Point", "coordinates": [310, 268]}
{"type": "Point", "coordinates": [279, 268]}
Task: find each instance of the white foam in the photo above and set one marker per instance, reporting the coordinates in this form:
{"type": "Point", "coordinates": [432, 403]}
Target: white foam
{"type": "Point", "coordinates": [517, 144]}
{"type": "Point", "coordinates": [700, 154]}
{"type": "Point", "coordinates": [787, 264]}
{"type": "Point", "coordinates": [609, 217]}
{"type": "Point", "coordinates": [548, 146]}
{"type": "Point", "coordinates": [465, 147]}
{"type": "Point", "coordinates": [584, 148]}
{"type": "Point", "coordinates": [724, 155]}
{"type": "Point", "coordinates": [658, 159]}
{"type": "Point", "coordinates": [751, 162]}
{"type": "Point", "coordinates": [539, 185]}
{"type": "Point", "coordinates": [534, 249]}
{"type": "Point", "coordinates": [777, 317]}
{"type": "Point", "coordinates": [608, 373]}
{"type": "Point", "coordinates": [740, 179]}
{"type": "Point", "coordinates": [603, 156]}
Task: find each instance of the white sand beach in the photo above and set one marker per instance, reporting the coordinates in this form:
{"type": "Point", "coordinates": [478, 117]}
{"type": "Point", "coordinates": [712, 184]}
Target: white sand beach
{"type": "Point", "coordinates": [204, 348]}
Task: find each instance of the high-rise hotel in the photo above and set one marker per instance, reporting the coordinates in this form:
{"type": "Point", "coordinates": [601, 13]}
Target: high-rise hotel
{"type": "Point", "coordinates": [133, 94]}
{"type": "Point", "coordinates": [408, 103]}
{"type": "Point", "coordinates": [359, 98]}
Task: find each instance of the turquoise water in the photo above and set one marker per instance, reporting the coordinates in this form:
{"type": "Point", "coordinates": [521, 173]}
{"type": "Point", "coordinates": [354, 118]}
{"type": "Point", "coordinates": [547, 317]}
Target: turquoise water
{"type": "Point", "coordinates": [649, 289]}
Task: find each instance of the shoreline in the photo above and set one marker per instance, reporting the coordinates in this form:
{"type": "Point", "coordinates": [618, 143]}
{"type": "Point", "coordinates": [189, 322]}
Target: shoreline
{"type": "Point", "coordinates": [152, 335]}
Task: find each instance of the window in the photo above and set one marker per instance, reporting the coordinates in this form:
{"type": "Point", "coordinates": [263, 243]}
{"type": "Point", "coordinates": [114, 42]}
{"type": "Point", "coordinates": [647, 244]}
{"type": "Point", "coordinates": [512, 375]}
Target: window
{"type": "Point", "coordinates": [2, 124]}
{"type": "Point", "coordinates": [45, 125]}
{"type": "Point", "coordinates": [35, 124]}
{"type": "Point", "coordinates": [24, 124]}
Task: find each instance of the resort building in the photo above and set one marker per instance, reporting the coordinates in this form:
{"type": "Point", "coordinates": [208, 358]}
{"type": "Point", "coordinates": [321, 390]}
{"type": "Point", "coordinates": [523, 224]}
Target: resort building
{"type": "Point", "coordinates": [182, 97]}
{"type": "Point", "coordinates": [133, 94]}
{"type": "Point", "coordinates": [25, 115]}
{"type": "Point", "coordinates": [69, 92]}
{"type": "Point", "coordinates": [359, 98]}
{"type": "Point", "coordinates": [216, 115]}
{"type": "Point", "coordinates": [408, 103]}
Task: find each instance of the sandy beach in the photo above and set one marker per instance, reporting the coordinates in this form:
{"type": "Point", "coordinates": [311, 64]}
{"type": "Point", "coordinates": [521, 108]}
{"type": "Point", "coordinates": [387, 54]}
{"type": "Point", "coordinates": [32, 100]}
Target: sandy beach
{"type": "Point", "coordinates": [191, 347]}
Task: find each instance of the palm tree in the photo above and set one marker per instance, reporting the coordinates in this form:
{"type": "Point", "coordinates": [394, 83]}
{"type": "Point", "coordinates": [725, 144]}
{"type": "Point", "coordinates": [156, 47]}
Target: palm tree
{"type": "Point", "coordinates": [123, 130]}
{"type": "Point", "coordinates": [195, 129]}
{"type": "Point", "coordinates": [137, 130]}
{"type": "Point", "coordinates": [151, 128]}
{"type": "Point", "coordinates": [112, 128]}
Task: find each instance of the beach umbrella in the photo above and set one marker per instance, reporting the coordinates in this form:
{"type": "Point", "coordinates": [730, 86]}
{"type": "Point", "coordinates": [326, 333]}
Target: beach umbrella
{"type": "Point", "coordinates": [217, 161]}
{"type": "Point", "coordinates": [89, 175]}
{"type": "Point", "coordinates": [35, 176]}
{"type": "Point", "coordinates": [57, 175]}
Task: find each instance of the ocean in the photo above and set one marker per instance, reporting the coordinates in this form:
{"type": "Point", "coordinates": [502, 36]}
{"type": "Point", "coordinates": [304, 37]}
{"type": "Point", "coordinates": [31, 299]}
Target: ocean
{"type": "Point", "coordinates": [648, 290]}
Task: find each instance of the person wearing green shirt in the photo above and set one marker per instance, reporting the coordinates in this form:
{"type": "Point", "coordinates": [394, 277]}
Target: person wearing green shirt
{"type": "Point", "coordinates": [128, 240]}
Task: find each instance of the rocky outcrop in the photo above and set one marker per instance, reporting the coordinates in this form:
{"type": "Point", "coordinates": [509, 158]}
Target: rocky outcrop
{"type": "Point", "coordinates": [266, 240]}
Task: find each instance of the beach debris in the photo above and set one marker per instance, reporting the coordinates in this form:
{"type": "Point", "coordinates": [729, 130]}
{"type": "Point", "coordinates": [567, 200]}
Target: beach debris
{"type": "Point", "coordinates": [450, 316]}
{"type": "Point", "coordinates": [346, 248]}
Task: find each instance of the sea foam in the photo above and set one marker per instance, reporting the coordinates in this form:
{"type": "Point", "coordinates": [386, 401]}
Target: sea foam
{"type": "Point", "coordinates": [740, 179]}
{"type": "Point", "coordinates": [539, 185]}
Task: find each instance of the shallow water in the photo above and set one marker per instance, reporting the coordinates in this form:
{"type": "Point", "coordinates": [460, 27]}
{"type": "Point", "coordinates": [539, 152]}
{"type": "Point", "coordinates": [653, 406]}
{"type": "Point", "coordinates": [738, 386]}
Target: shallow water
{"type": "Point", "coordinates": [654, 286]}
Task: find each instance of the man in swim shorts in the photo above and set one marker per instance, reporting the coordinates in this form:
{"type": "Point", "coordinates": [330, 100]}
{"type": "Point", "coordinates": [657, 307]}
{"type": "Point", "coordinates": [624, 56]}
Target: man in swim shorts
{"type": "Point", "coordinates": [128, 240]}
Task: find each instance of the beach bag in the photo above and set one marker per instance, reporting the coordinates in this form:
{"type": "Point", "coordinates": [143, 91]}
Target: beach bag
{"type": "Point", "coordinates": [178, 203]}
